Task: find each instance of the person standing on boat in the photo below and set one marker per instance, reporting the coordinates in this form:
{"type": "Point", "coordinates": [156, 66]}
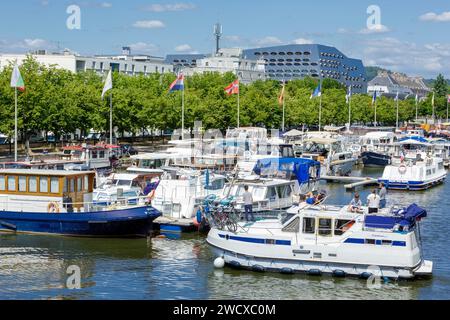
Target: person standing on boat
{"type": "Point", "coordinates": [248, 204]}
{"type": "Point", "coordinates": [373, 201]}
{"type": "Point", "coordinates": [382, 194]}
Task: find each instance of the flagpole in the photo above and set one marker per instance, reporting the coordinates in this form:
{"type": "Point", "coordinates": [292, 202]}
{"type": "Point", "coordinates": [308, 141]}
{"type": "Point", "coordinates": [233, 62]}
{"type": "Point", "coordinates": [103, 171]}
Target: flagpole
{"type": "Point", "coordinates": [239, 107]}
{"type": "Point", "coordinates": [447, 108]}
{"type": "Point", "coordinates": [182, 114]}
{"type": "Point", "coordinates": [110, 118]}
{"type": "Point", "coordinates": [375, 123]}
{"type": "Point", "coordinates": [432, 101]}
{"type": "Point", "coordinates": [396, 123]}
{"type": "Point", "coordinates": [15, 125]}
{"type": "Point", "coordinates": [320, 106]}
{"type": "Point", "coordinates": [349, 110]}
{"type": "Point", "coordinates": [284, 108]}
{"type": "Point", "coordinates": [417, 107]}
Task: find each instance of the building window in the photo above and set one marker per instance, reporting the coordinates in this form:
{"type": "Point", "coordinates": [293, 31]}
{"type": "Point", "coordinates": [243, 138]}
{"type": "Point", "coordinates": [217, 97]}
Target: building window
{"type": "Point", "coordinates": [101, 66]}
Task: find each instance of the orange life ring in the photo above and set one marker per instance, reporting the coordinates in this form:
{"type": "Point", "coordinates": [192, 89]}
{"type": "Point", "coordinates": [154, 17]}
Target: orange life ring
{"type": "Point", "coordinates": [53, 207]}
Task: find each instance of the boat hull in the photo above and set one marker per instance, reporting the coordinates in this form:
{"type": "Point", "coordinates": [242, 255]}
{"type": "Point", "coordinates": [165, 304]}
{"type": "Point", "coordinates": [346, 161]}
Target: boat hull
{"type": "Point", "coordinates": [374, 159]}
{"type": "Point", "coordinates": [412, 185]}
{"type": "Point", "coordinates": [270, 264]}
{"type": "Point", "coordinates": [129, 222]}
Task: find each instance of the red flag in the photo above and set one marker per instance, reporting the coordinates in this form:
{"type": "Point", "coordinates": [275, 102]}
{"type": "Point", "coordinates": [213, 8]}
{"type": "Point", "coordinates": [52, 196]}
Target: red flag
{"type": "Point", "coordinates": [232, 88]}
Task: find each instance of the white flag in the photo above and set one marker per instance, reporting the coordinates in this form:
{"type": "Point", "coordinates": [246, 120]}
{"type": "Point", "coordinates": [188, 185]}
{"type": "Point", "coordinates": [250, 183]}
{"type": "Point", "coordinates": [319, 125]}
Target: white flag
{"type": "Point", "coordinates": [108, 84]}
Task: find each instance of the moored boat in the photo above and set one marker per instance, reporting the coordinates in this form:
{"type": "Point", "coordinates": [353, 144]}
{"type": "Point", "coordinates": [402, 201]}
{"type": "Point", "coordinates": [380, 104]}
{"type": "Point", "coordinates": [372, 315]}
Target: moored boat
{"type": "Point", "coordinates": [60, 203]}
{"type": "Point", "coordinates": [414, 167]}
{"type": "Point", "coordinates": [327, 240]}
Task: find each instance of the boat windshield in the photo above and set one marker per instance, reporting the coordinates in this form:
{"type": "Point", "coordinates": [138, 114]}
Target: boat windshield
{"type": "Point", "coordinates": [121, 183]}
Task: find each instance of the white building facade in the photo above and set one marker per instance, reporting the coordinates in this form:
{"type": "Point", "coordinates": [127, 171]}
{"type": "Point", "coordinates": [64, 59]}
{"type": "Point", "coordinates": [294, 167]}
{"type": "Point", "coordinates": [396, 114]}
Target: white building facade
{"type": "Point", "coordinates": [125, 63]}
{"type": "Point", "coordinates": [230, 60]}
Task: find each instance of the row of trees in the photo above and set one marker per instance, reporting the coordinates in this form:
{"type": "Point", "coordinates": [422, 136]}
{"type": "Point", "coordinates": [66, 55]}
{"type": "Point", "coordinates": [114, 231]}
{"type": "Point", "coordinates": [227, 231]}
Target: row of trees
{"type": "Point", "coordinates": [61, 102]}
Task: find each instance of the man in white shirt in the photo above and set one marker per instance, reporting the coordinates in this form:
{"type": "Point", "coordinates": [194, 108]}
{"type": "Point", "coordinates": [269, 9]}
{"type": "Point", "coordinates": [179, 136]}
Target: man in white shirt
{"type": "Point", "coordinates": [373, 201]}
{"type": "Point", "coordinates": [248, 204]}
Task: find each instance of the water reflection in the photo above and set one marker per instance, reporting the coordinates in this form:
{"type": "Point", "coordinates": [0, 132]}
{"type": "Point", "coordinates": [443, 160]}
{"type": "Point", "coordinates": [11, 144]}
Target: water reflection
{"type": "Point", "coordinates": [34, 267]}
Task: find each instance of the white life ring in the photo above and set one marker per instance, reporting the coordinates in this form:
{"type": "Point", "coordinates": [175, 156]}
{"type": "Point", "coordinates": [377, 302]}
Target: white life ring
{"type": "Point", "coordinates": [402, 169]}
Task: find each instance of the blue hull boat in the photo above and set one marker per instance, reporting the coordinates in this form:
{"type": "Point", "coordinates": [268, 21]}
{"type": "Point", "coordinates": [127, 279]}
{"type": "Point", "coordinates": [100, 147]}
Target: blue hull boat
{"type": "Point", "coordinates": [129, 222]}
{"type": "Point", "coordinates": [374, 159]}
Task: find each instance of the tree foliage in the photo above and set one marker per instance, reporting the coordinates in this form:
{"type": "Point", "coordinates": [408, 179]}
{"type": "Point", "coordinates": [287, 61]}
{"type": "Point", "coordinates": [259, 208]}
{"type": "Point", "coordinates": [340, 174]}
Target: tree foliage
{"type": "Point", "coordinates": [61, 102]}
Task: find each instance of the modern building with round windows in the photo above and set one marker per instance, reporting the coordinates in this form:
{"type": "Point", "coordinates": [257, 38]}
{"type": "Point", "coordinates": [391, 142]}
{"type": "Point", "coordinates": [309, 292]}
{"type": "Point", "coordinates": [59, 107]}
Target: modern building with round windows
{"type": "Point", "coordinates": [297, 61]}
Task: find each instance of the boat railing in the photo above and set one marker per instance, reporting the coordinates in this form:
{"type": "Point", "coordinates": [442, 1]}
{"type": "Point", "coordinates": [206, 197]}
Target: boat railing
{"type": "Point", "coordinates": [74, 207]}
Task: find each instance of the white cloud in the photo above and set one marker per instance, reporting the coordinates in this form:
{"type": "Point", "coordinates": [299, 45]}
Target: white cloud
{"type": "Point", "coordinates": [378, 28]}
{"type": "Point", "coordinates": [169, 7]}
{"type": "Point", "coordinates": [303, 41]}
{"type": "Point", "coordinates": [435, 17]}
{"type": "Point", "coordinates": [404, 56]}
{"type": "Point", "coordinates": [267, 41]}
{"type": "Point", "coordinates": [183, 48]}
{"type": "Point", "coordinates": [106, 5]}
{"type": "Point", "coordinates": [149, 24]}
{"type": "Point", "coordinates": [142, 47]}
{"type": "Point", "coordinates": [25, 45]}
{"type": "Point", "coordinates": [233, 38]}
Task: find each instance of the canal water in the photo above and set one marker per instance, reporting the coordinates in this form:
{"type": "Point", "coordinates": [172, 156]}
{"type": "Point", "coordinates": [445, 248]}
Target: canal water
{"type": "Point", "coordinates": [35, 267]}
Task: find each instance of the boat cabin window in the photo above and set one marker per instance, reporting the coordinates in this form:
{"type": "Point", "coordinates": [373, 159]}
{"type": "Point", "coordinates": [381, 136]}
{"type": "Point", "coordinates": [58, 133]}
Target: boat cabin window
{"type": "Point", "coordinates": [341, 226]}
{"type": "Point", "coordinates": [216, 184]}
{"type": "Point", "coordinates": [86, 183]}
{"type": "Point", "coordinates": [258, 193]}
{"type": "Point", "coordinates": [22, 184]}
{"type": "Point", "coordinates": [32, 184]}
{"type": "Point", "coordinates": [325, 228]}
{"type": "Point", "coordinates": [309, 225]}
{"type": "Point", "coordinates": [2, 183]}
{"type": "Point", "coordinates": [11, 183]}
{"type": "Point", "coordinates": [102, 154]}
{"type": "Point", "coordinates": [54, 185]}
{"type": "Point", "coordinates": [272, 193]}
{"type": "Point", "coordinates": [79, 184]}
{"type": "Point", "coordinates": [43, 185]}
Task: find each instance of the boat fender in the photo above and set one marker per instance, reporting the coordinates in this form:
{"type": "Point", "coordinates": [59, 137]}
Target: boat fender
{"type": "Point", "coordinates": [314, 272]}
{"type": "Point", "coordinates": [287, 271]}
{"type": "Point", "coordinates": [365, 275]}
{"type": "Point", "coordinates": [235, 264]}
{"type": "Point", "coordinates": [339, 273]}
{"type": "Point", "coordinates": [219, 263]}
{"type": "Point", "coordinates": [258, 268]}
{"type": "Point", "coordinates": [402, 169]}
{"type": "Point", "coordinates": [53, 207]}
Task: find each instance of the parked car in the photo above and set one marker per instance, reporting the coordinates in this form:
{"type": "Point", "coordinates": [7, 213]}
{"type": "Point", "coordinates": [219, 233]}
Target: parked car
{"type": "Point", "coordinates": [128, 150]}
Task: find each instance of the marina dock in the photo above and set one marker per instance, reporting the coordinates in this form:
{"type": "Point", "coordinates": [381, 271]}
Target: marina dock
{"type": "Point", "coordinates": [354, 181]}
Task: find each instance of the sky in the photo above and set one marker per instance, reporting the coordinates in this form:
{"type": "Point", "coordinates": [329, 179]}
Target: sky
{"type": "Point", "coordinates": [409, 36]}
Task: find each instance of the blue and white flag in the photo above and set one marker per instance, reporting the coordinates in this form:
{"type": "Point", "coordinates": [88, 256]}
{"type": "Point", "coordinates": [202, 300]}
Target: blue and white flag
{"type": "Point", "coordinates": [317, 92]}
{"type": "Point", "coordinates": [396, 97]}
{"type": "Point", "coordinates": [374, 98]}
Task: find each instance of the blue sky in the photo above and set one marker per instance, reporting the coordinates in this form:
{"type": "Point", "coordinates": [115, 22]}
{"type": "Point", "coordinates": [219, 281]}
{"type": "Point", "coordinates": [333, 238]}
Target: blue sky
{"type": "Point", "coordinates": [413, 36]}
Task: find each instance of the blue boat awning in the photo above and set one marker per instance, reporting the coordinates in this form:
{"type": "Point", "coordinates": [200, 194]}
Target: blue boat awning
{"type": "Point", "coordinates": [303, 169]}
